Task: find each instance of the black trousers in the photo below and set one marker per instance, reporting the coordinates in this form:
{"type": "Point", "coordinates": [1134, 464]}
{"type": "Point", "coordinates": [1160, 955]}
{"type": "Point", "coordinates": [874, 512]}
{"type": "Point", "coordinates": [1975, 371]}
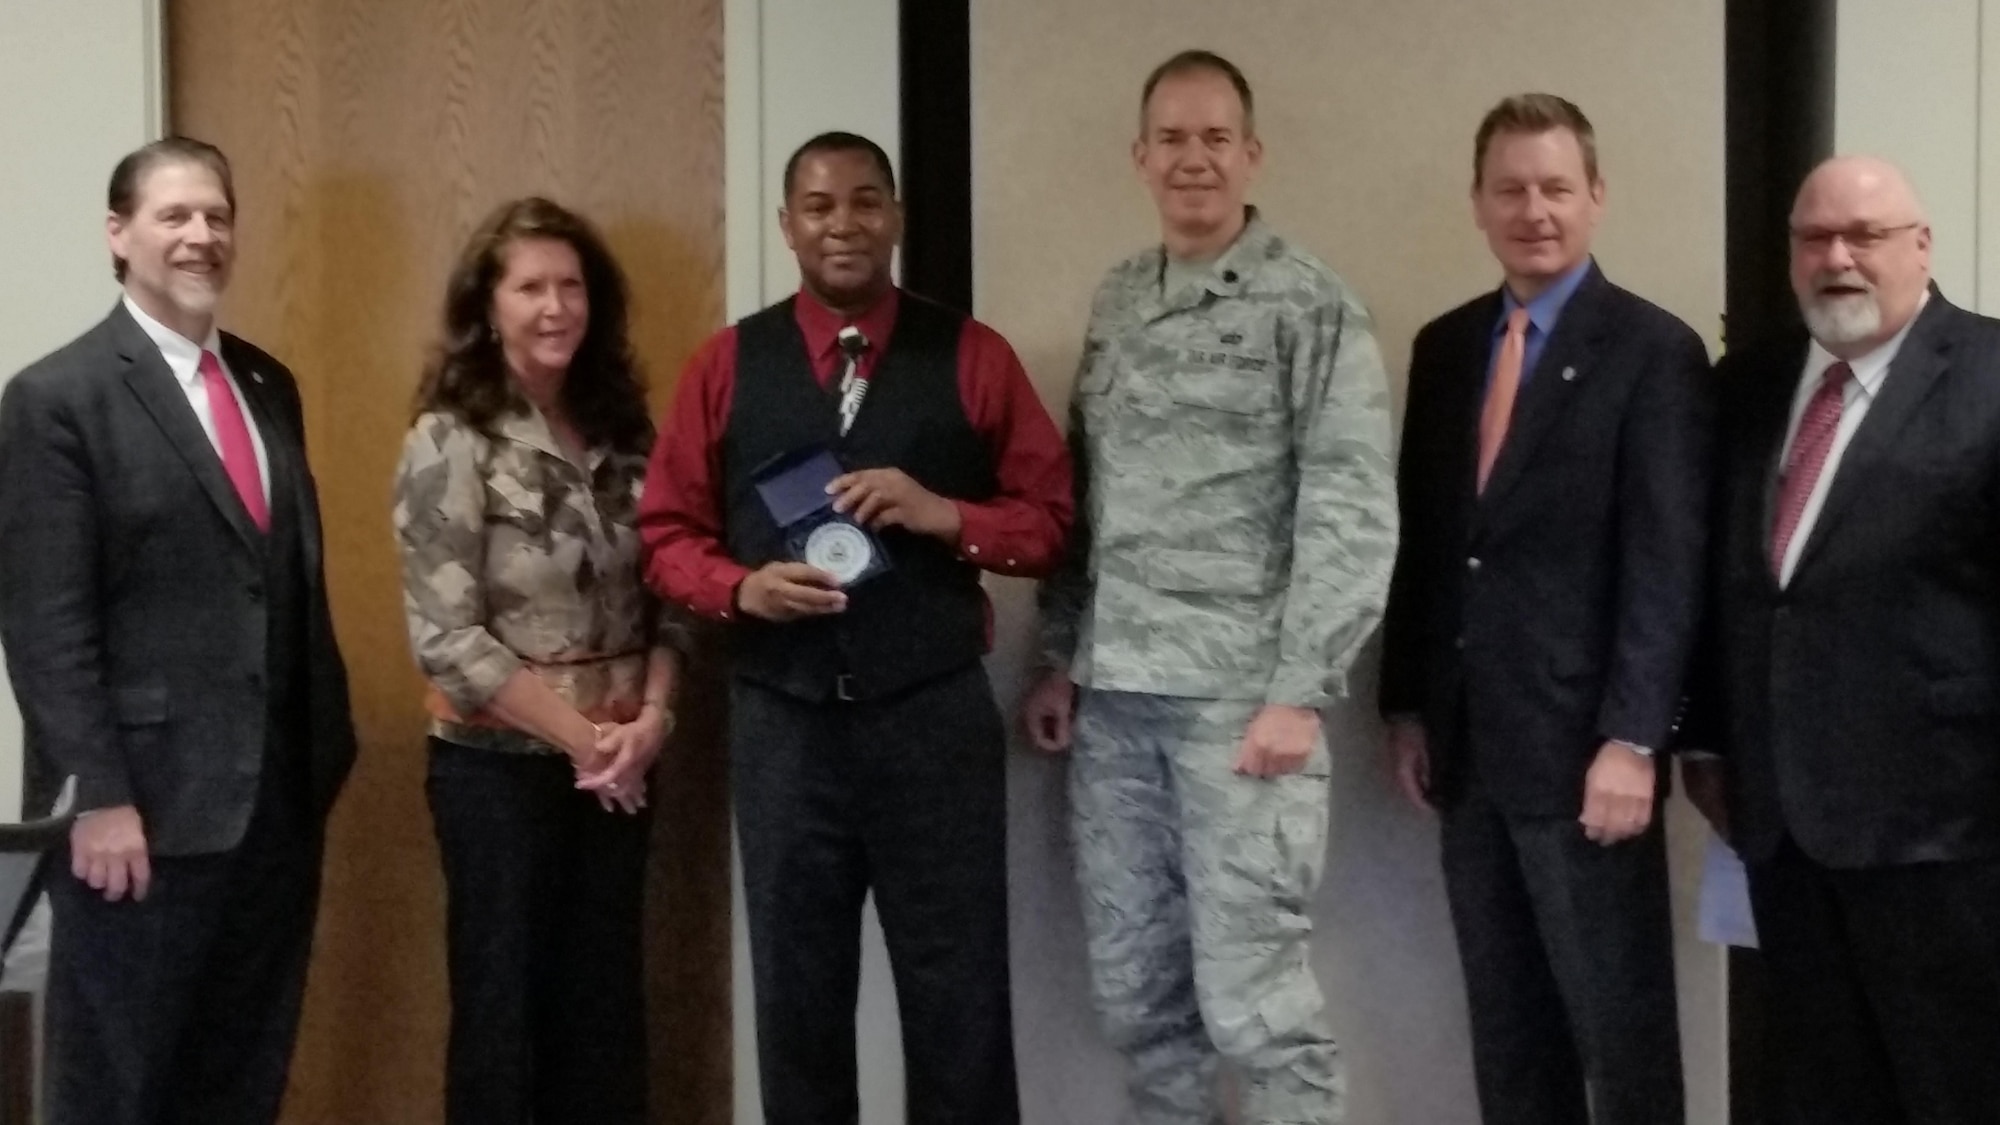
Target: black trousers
{"type": "Point", "coordinates": [183, 1009]}
{"type": "Point", "coordinates": [1884, 990]}
{"type": "Point", "coordinates": [906, 797]}
{"type": "Point", "coordinates": [544, 910]}
{"type": "Point", "coordinates": [1567, 947]}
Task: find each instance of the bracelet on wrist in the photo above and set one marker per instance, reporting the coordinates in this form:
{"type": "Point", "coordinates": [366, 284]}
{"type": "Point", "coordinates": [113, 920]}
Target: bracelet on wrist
{"type": "Point", "coordinates": [596, 733]}
{"type": "Point", "coordinates": [667, 716]}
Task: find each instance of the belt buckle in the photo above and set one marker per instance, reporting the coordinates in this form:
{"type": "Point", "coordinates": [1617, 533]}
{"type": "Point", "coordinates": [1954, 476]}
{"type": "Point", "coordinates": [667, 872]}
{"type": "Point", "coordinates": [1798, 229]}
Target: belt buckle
{"type": "Point", "coordinates": [843, 688]}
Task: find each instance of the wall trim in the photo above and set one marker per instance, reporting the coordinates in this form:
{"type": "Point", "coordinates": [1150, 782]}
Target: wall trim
{"type": "Point", "coordinates": [158, 94]}
{"type": "Point", "coordinates": [787, 74]}
{"type": "Point", "coordinates": [743, 155]}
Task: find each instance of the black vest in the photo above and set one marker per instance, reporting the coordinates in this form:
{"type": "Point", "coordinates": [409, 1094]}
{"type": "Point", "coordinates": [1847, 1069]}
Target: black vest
{"type": "Point", "coordinates": [927, 616]}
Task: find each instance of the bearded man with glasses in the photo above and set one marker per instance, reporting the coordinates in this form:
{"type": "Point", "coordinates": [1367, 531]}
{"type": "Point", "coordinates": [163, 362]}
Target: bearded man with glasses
{"type": "Point", "coordinates": [1851, 701]}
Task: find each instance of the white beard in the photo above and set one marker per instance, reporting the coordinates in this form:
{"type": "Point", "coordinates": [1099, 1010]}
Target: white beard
{"type": "Point", "coordinates": [1841, 321]}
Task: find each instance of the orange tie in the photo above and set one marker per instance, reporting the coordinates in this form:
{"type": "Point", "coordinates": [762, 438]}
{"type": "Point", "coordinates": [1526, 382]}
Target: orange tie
{"type": "Point", "coordinates": [1500, 393]}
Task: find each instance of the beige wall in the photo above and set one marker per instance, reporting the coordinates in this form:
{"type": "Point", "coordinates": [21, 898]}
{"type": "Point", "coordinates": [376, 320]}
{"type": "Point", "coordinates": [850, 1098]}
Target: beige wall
{"type": "Point", "coordinates": [1891, 56]}
{"type": "Point", "coordinates": [80, 88]}
{"type": "Point", "coordinates": [1916, 83]}
{"type": "Point", "coordinates": [1367, 109]}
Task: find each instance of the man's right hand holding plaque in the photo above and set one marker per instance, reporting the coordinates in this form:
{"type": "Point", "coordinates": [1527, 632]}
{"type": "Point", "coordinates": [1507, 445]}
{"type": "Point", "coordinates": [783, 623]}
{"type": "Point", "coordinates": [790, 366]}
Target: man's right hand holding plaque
{"type": "Point", "coordinates": [879, 498]}
{"type": "Point", "coordinates": [874, 498]}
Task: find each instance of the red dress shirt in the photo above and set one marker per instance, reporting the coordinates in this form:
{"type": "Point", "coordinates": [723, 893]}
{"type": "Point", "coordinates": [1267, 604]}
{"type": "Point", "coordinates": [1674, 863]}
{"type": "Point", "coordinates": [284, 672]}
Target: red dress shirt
{"type": "Point", "coordinates": [1020, 531]}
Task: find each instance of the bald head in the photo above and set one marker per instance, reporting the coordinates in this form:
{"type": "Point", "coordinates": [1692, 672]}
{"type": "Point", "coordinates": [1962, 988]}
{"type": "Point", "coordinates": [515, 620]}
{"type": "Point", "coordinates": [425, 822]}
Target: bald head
{"type": "Point", "coordinates": [1860, 182]}
{"type": "Point", "coordinates": [1861, 253]}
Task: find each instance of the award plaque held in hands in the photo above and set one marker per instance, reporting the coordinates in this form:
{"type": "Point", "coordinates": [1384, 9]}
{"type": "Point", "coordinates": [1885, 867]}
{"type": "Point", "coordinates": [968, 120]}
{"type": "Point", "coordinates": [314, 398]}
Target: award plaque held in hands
{"type": "Point", "coordinates": [793, 488]}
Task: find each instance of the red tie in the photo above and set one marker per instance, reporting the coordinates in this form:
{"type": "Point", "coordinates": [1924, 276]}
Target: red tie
{"type": "Point", "coordinates": [1809, 449]}
{"type": "Point", "coordinates": [232, 433]}
{"type": "Point", "coordinates": [1498, 413]}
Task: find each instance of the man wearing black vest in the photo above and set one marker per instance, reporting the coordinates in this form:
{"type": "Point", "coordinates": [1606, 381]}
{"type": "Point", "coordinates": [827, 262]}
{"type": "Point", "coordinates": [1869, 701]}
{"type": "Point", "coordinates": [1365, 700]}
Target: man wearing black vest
{"type": "Point", "coordinates": [866, 749]}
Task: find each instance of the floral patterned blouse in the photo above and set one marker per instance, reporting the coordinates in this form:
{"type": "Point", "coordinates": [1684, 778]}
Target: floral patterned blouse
{"type": "Point", "coordinates": [516, 557]}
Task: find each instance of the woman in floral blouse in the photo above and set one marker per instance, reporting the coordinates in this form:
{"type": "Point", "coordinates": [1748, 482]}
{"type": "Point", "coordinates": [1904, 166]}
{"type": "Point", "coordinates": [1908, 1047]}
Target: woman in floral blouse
{"type": "Point", "coordinates": [552, 670]}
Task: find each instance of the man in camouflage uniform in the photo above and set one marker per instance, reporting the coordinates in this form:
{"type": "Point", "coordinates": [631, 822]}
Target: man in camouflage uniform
{"type": "Point", "coordinates": [1236, 523]}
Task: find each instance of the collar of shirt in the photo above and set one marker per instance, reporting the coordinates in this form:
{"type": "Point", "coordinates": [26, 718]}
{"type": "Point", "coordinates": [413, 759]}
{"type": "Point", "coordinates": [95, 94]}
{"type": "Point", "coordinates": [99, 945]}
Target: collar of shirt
{"type": "Point", "coordinates": [183, 355]}
{"type": "Point", "coordinates": [530, 427]}
{"type": "Point", "coordinates": [1869, 370]}
{"type": "Point", "coordinates": [822, 325]}
{"type": "Point", "coordinates": [1544, 310]}
{"type": "Point", "coordinates": [1226, 274]}
{"type": "Point", "coordinates": [1546, 307]}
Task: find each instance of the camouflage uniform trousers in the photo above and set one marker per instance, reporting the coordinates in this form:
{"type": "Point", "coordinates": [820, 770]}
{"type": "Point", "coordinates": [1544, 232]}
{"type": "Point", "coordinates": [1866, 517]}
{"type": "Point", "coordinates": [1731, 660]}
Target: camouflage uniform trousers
{"type": "Point", "coordinates": [1196, 885]}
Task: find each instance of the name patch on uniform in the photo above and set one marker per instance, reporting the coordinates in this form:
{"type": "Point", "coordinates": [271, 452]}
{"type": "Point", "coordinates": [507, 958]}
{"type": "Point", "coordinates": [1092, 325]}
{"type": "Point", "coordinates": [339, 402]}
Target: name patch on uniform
{"type": "Point", "coordinates": [1234, 361]}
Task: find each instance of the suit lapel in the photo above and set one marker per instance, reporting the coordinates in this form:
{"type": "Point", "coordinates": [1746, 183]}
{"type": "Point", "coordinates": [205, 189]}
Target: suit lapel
{"type": "Point", "coordinates": [1912, 376]}
{"type": "Point", "coordinates": [1563, 366]}
{"type": "Point", "coordinates": [1467, 396]}
{"type": "Point", "coordinates": [160, 393]}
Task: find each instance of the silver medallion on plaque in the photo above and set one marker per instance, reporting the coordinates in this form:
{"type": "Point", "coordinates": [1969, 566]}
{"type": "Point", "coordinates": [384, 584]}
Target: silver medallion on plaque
{"type": "Point", "coordinates": [840, 549]}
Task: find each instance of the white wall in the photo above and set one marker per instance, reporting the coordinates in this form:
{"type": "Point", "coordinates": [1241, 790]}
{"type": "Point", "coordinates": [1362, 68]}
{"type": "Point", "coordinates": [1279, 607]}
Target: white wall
{"type": "Point", "coordinates": [81, 86]}
{"type": "Point", "coordinates": [1913, 84]}
{"type": "Point", "coordinates": [1919, 84]}
{"type": "Point", "coordinates": [792, 70]}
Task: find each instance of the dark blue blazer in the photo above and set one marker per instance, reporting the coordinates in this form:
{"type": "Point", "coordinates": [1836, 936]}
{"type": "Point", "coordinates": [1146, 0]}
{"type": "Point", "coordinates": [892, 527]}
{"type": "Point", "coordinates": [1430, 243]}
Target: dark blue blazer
{"type": "Point", "coordinates": [1530, 623]}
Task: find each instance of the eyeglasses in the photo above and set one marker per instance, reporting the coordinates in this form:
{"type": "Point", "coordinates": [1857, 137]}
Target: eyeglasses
{"type": "Point", "coordinates": [1859, 240]}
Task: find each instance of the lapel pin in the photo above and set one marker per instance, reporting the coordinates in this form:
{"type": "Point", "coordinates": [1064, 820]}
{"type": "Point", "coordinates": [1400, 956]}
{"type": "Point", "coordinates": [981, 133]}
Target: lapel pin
{"type": "Point", "coordinates": [1569, 374]}
{"type": "Point", "coordinates": [258, 376]}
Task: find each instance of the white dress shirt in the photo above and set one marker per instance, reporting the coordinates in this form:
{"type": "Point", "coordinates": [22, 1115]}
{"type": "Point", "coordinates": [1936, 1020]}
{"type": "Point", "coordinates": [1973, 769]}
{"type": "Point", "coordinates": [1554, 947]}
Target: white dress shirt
{"type": "Point", "coordinates": [1870, 371]}
{"type": "Point", "coordinates": [183, 358]}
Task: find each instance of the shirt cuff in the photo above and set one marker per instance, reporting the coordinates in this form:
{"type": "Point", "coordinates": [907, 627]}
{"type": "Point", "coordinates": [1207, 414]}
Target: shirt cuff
{"type": "Point", "coordinates": [1294, 686]}
{"type": "Point", "coordinates": [1642, 751]}
{"type": "Point", "coordinates": [475, 677]}
{"type": "Point", "coordinates": [717, 596]}
{"type": "Point", "coordinates": [981, 543]}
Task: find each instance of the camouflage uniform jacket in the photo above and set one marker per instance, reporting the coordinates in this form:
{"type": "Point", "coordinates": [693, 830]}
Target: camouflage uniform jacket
{"type": "Point", "coordinates": [515, 557]}
{"type": "Point", "coordinates": [1236, 515]}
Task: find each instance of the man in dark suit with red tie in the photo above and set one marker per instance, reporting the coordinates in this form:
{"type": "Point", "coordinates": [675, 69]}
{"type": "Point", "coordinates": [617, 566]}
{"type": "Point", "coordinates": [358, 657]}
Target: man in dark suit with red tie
{"type": "Point", "coordinates": [1851, 687]}
{"type": "Point", "coordinates": [1553, 483]}
{"type": "Point", "coordinates": [164, 616]}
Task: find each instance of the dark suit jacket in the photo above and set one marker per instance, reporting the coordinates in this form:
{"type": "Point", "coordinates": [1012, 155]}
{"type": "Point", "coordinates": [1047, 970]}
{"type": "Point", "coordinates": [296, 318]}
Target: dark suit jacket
{"type": "Point", "coordinates": [1860, 706]}
{"type": "Point", "coordinates": [1528, 624]}
{"type": "Point", "coordinates": [132, 589]}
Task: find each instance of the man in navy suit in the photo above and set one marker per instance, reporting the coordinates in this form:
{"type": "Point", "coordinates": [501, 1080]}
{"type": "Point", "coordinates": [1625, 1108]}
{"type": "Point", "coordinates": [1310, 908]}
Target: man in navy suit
{"type": "Point", "coordinates": [1853, 681]}
{"type": "Point", "coordinates": [1553, 488]}
{"type": "Point", "coordinates": [164, 612]}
